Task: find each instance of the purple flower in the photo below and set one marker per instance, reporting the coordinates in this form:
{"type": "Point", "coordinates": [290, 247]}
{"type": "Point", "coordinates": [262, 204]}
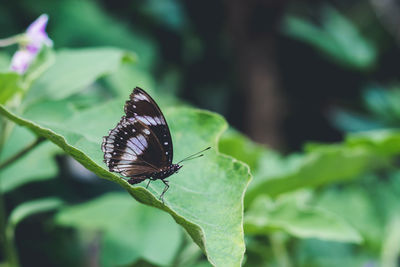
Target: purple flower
{"type": "Point", "coordinates": [21, 61]}
{"type": "Point", "coordinates": [33, 40]}
{"type": "Point", "coordinates": [36, 33]}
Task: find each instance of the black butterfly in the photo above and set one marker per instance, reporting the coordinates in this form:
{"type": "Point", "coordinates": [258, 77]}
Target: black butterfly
{"type": "Point", "coordinates": [140, 146]}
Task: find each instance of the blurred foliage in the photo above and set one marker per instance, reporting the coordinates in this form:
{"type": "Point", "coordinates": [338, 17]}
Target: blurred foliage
{"type": "Point", "coordinates": [337, 37]}
{"type": "Point", "coordinates": [381, 110]}
{"type": "Point", "coordinates": [330, 204]}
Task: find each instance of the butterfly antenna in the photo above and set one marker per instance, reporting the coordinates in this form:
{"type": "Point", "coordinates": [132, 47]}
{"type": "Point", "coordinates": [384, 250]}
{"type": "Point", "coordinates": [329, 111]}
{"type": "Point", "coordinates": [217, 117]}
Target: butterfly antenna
{"type": "Point", "coordinates": [195, 155]}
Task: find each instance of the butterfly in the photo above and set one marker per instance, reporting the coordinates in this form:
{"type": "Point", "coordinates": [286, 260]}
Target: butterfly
{"type": "Point", "coordinates": [140, 146]}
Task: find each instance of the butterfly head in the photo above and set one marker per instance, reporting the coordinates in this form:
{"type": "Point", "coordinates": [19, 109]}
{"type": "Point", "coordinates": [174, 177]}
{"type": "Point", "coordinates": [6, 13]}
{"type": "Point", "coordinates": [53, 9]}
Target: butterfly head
{"type": "Point", "coordinates": [175, 167]}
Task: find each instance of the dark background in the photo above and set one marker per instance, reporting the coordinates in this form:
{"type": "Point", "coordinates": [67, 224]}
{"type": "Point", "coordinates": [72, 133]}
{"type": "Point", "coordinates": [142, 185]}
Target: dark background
{"type": "Point", "coordinates": [232, 57]}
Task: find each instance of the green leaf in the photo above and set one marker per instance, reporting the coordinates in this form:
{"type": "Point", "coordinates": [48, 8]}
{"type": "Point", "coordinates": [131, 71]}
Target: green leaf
{"type": "Point", "coordinates": [74, 70]}
{"type": "Point", "coordinates": [130, 230]}
{"type": "Point", "coordinates": [121, 81]}
{"type": "Point", "coordinates": [314, 252]}
{"type": "Point", "coordinates": [264, 217]}
{"type": "Point", "coordinates": [345, 202]}
{"type": "Point", "coordinates": [5, 61]}
{"type": "Point", "coordinates": [391, 243]}
{"type": "Point", "coordinates": [338, 38]}
{"type": "Point", "coordinates": [98, 27]}
{"type": "Point", "coordinates": [382, 143]}
{"type": "Point", "coordinates": [316, 168]}
{"type": "Point", "coordinates": [168, 13]}
{"type": "Point", "coordinates": [29, 208]}
{"type": "Point", "coordinates": [36, 165]}
{"type": "Point", "coordinates": [8, 85]}
{"type": "Point", "coordinates": [242, 148]}
{"type": "Point", "coordinates": [206, 197]}
{"type": "Point", "coordinates": [348, 121]}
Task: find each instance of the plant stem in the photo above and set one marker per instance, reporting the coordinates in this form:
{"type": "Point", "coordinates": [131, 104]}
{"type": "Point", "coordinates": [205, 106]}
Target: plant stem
{"type": "Point", "coordinates": [10, 251]}
{"type": "Point", "coordinates": [279, 250]}
{"type": "Point", "coordinates": [10, 40]}
{"type": "Point", "coordinates": [7, 245]}
{"type": "Point", "coordinates": [22, 152]}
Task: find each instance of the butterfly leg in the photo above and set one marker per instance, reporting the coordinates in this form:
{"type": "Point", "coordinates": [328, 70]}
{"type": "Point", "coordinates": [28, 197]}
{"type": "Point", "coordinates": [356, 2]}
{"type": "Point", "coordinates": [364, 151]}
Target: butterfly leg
{"type": "Point", "coordinates": [147, 186]}
{"type": "Point", "coordinates": [165, 190]}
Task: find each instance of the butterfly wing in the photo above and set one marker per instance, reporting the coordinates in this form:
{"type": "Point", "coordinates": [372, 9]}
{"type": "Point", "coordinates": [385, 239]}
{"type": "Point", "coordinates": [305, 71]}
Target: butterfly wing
{"type": "Point", "coordinates": [144, 109]}
{"type": "Point", "coordinates": [141, 143]}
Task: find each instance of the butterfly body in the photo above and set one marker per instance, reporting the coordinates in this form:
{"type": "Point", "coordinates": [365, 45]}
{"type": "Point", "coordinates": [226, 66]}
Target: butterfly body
{"type": "Point", "coordinates": [161, 174]}
{"type": "Point", "coordinates": [140, 146]}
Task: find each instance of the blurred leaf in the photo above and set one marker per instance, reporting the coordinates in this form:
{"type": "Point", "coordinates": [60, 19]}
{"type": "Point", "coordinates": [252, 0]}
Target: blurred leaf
{"type": "Point", "coordinates": [380, 143]}
{"type": "Point", "coordinates": [8, 85]}
{"type": "Point", "coordinates": [352, 122]}
{"type": "Point", "coordinates": [215, 180]}
{"type": "Point", "coordinates": [359, 153]}
{"type": "Point", "coordinates": [377, 101]}
{"type": "Point", "coordinates": [96, 27]}
{"type": "Point", "coordinates": [240, 147]}
{"type": "Point", "coordinates": [391, 243]}
{"type": "Point", "coordinates": [345, 202]}
{"type": "Point", "coordinates": [74, 70]}
{"type": "Point", "coordinates": [36, 165]}
{"type": "Point", "coordinates": [60, 110]}
{"type": "Point", "coordinates": [383, 104]}
{"type": "Point", "coordinates": [318, 253]}
{"type": "Point", "coordinates": [127, 77]}
{"type": "Point", "coordinates": [167, 13]}
{"type": "Point", "coordinates": [383, 111]}
{"type": "Point", "coordinates": [264, 217]}
{"type": "Point", "coordinates": [130, 230]}
{"type": "Point", "coordinates": [5, 61]}
{"type": "Point", "coordinates": [338, 38]}
{"type": "Point", "coordinates": [312, 169]}
{"type": "Point", "coordinates": [29, 208]}
{"type": "Point", "coordinates": [189, 255]}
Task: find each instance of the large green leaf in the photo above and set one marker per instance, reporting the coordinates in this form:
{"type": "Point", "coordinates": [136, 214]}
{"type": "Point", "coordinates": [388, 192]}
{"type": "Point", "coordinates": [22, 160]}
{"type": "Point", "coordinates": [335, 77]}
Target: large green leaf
{"type": "Point", "coordinates": [265, 217]}
{"type": "Point", "coordinates": [323, 164]}
{"type": "Point", "coordinates": [8, 85]}
{"type": "Point", "coordinates": [382, 143]}
{"type": "Point", "coordinates": [206, 197]}
{"type": "Point", "coordinates": [319, 167]}
{"type": "Point", "coordinates": [130, 230]}
{"type": "Point", "coordinates": [75, 69]}
{"type": "Point", "coordinates": [36, 165]}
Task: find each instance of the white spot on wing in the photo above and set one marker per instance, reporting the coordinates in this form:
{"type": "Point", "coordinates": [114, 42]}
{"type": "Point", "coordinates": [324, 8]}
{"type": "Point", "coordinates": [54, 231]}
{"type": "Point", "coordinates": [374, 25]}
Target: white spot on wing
{"type": "Point", "coordinates": [141, 97]}
{"type": "Point", "coordinates": [126, 163]}
{"type": "Point", "coordinates": [107, 149]}
{"type": "Point", "coordinates": [158, 120]}
{"type": "Point", "coordinates": [146, 131]}
{"type": "Point", "coordinates": [143, 119]}
{"type": "Point", "coordinates": [128, 156]}
{"type": "Point", "coordinates": [135, 145]}
{"type": "Point", "coordinates": [148, 120]}
{"type": "Point", "coordinates": [142, 140]}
